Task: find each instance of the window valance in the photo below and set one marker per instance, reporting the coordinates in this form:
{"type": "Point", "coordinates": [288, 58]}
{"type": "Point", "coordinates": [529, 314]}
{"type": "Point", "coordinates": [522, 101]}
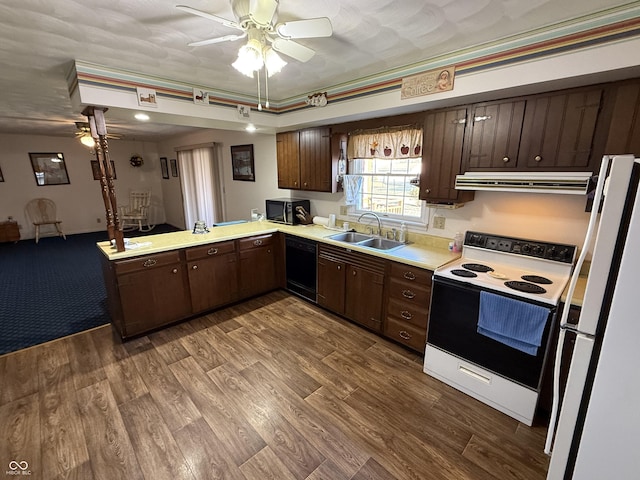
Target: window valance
{"type": "Point", "coordinates": [386, 142]}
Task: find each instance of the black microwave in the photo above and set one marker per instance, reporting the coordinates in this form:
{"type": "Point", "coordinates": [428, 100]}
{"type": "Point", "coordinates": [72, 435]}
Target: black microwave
{"type": "Point", "coordinates": [283, 210]}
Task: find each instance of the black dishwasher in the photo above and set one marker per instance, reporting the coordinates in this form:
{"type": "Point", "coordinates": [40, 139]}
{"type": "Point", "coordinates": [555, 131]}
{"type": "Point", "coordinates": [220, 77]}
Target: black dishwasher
{"type": "Point", "coordinates": [301, 266]}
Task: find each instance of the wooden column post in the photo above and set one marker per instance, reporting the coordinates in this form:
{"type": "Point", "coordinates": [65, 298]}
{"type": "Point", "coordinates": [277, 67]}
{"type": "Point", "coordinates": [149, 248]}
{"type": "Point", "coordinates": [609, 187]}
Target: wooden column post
{"type": "Point", "coordinates": [98, 128]}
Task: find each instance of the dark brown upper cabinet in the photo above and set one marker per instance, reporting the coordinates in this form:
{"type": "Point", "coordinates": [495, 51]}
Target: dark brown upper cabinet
{"type": "Point", "coordinates": [307, 159]}
{"type": "Point", "coordinates": [442, 156]}
{"type": "Point", "coordinates": [624, 128]}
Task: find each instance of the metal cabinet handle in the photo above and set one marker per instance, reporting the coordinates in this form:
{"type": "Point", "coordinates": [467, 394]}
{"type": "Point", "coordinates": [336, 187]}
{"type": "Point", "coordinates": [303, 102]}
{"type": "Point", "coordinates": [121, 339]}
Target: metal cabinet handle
{"type": "Point", "coordinates": [404, 334]}
{"type": "Point", "coordinates": [212, 251]}
{"type": "Point", "coordinates": [427, 190]}
{"type": "Point", "coordinates": [505, 159]}
{"type": "Point", "coordinates": [354, 273]}
{"type": "Point", "coordinates": [409, 275]}
{"type": "Point", "coordinates": [175, 270]}
{"type": "Point", "coordinates": [458, 121]}
{"type": "Point", "coordinates": [149, 263]}
{"type": "Point", "coordinates": [195, 267]}
{"type": "Point", "coordinates": [339, 267]}
{"type": "Point", "coordinates": [537, 158]}
{"type": "Point", "coordinates": [408, 294]}
{"type": "Point", "coordinates": [406, 315]}
{"type": "Point", "coordinates": [257, 243]}
{"type": "Point", "coordinates": [481, 118]}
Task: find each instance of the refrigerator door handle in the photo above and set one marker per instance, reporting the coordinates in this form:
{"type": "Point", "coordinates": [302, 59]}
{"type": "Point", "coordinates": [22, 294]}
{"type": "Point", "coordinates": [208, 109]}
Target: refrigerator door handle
{"type": "Point", "coordinates": [564, 325]}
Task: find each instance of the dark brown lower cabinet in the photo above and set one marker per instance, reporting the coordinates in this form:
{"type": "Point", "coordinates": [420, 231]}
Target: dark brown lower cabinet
{"type": "Point", "coordinates": [213, 275]}
{"type": "Point", "coordinates": [408, 295]}
{"type": "Point", "coordinates": [258, 269]}
{"type": "Point", "coordinates": [351, 284]}
{"type": "Point", "coordinates": [152, 291]}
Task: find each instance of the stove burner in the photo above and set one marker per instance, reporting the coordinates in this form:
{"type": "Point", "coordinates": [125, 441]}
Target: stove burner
{"type": "Point", "coordinates": [463, 273]}
{"type": "Point", "coordinates": [525, 287]}
{"type": "Point", "coordinates": [536, 279]}
{"type": "Point", "coordinates": [477, 267]}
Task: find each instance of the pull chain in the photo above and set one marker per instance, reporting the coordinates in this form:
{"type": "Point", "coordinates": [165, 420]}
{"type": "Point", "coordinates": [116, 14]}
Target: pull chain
{"type": "Point", "coordinates": [259, 102]}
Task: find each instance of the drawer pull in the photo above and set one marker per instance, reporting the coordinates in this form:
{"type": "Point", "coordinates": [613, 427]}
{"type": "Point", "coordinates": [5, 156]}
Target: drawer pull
{"type": "Point", "coordinates": [537, 158]}
{"type": "Point", "coordinates": [257, 243]}
{"type": "Point", "coordinates": [195, 267]}
{"type": "Point", "coordinates": [405, 335]}
{"type": "Point", "coordinates": [408, 294]}
{"type": "Point", "coordinates": [175, 270]}
{"type": "Point", "coordinates": [354, 273]}
{"type": "Point", "coordinates": [212, 251]}
{"type": "Point", "coordinates": [339, 267]}
{"type": "Point", "coordinates": [506, 159]}
{"type": "Point", "coordinates": [409, 276]}
{"type": "Point", "coordinates": [406, 315]}
{"type": "Point", "coordinates": [149, 263]}
{"type": "Point", "coordinates": [476, 375]}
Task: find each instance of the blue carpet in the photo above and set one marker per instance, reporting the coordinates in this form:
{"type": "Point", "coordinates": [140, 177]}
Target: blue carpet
{"type": "Point", "coordinates": [52, 289]}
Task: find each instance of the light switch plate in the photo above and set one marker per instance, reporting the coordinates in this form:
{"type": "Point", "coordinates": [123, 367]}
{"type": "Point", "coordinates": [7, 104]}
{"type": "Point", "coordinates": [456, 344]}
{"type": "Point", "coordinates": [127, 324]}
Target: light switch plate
{"type": "Point", "coordinates": [439, 221]}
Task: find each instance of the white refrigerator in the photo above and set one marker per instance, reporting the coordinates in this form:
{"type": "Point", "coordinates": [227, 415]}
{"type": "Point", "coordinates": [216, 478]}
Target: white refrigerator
{"type": "Point", "coordinates": [597, 432]}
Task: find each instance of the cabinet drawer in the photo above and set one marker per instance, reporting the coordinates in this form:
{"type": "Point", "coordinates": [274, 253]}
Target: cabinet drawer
{"type": "Point", "coordinates": [147, 262]}
{"type": "Point", "coordinates": [411, 274]}
{"type": "Point", "coordinates": [210, 250]}
{"type": "Point", "coordinates": [408, 312]}
{"type": "Point", "coordinates": [405, 333]}
{"type": "Point", "coordinates": [411, 293]}
{"type": "Point", "coordinates": [255, 242]}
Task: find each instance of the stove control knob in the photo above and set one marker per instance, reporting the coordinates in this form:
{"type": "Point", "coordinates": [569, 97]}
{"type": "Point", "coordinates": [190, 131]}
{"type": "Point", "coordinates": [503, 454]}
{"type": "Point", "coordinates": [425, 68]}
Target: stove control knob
{"type": "Point", "coordinates": [552, 253]}
{"type": "Point", "coordinates": [526, 248]}
{"type": "Point", "coordinates": [563, 254]}
{"type": "Point", "coordinates": [538, 250]}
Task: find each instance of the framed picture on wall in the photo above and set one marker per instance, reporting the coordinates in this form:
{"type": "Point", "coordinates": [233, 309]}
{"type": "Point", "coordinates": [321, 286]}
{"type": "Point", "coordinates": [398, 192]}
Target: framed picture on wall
{"type": "Point", "coordinates": [49, 168]}
{"type": "Point", "coordinates": [174, 167]}
{"type": "Point", "coordinates": [243, 163]}
{"type": "Point", "coordinates": [165, 168]}
{"type": "Point", "coordinates": [95, 169]}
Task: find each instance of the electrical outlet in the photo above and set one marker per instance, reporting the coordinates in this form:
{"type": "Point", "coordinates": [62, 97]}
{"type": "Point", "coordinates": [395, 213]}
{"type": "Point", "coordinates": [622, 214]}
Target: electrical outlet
{"type": "Point", "coordinates": [344, 210]}
{"type": "Point", "coordinates": [439, 221]}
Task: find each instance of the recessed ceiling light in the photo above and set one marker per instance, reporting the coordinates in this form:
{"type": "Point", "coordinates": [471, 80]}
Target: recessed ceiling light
{"type": "Point", "coordinates": [143, 117]}
{"type": "Point", "coordinates": [250, 128]}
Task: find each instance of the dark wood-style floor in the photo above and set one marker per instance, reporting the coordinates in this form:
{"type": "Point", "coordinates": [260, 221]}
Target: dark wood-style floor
{"type": "Point", "coordinates": [274, 388]}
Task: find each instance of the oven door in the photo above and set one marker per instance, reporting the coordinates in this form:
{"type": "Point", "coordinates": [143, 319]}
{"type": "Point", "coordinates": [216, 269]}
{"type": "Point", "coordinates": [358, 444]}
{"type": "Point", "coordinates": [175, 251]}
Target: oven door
{"type": "Point", "coordinates": [453, 323]}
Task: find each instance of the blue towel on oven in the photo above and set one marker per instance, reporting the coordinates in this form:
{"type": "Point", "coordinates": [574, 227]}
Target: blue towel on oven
{"type": "Point", "coordinates": [512, 322]}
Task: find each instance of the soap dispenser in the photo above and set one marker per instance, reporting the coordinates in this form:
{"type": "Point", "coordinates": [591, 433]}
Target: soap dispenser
{"type": "Point", "coordinates": [402, 235]}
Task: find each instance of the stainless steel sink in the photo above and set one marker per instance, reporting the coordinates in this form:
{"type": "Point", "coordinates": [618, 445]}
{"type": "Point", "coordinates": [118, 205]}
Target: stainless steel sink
{"type": "Point", "coordinates": [350, 237]}
{"type": "Point", "coordinates": [381, 244]}
{"type": "Point", "coordinates": [368, 241]}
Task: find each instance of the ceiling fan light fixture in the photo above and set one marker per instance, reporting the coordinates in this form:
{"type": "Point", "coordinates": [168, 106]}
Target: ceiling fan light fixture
{"type": "Point", "coordinates": [273, 62]}
{"type": "Point", "coordinates": [87, 140]}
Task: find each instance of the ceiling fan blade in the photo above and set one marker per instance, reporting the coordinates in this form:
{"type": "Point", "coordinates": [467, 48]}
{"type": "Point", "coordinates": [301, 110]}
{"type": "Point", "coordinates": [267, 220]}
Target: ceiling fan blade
{"type": "Point", "coordinates": [293, 49]}
{"type": "Point", "coordinates": [311, 28]}
{"type": "Point", "coordinates": [210, 41]}
{"type": "Point", "coordinates": [262, 11]}
{"type": "Point", "coordinates": [215, 18]}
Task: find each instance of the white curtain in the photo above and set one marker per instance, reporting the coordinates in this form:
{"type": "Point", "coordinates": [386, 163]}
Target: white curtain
{"type": "Point", "coordinates": [200, 185]}
{"type": "Point", "coordinates": [386, 142]}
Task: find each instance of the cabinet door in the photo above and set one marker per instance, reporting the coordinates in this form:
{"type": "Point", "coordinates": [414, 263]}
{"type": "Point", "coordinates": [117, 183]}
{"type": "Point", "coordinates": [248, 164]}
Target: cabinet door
{"type": "Point", "coordinates": [624, 130]}
{"type": "Point", "coordinates": [257, 271]}
{"type": "Point", "coordinates": [315, 159]}
{"type": "Point", "coordinates": [331, 284]}
{"type": "Point", "coordinates": [287, 150]}
{"type": "Point", "coordinates": [442, 156]}
{"type": "Point", "coordinates": [154, 297]}
{"type": "Point", "coordinates": [495, 135]}
{"type": "Point", "coordinates": [558, 130]}
{"type": "Point", "coordinates": [213, 281]}
{"type": "Point", "coordinates": [364, 294]}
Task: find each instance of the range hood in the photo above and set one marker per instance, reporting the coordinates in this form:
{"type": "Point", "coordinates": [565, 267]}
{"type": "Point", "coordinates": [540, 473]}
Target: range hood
{"type": "Point", "coordinates": [574, 183]}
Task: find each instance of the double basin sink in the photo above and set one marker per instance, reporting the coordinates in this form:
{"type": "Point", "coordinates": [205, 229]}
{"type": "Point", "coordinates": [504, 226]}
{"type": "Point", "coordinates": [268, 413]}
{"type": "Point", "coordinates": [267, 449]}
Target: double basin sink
{"type": "Point", "coordinates": [370, 241]}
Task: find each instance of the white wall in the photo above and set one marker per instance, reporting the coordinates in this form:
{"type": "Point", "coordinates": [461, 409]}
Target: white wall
{"type": "Point", "coordinates": [79, 203]}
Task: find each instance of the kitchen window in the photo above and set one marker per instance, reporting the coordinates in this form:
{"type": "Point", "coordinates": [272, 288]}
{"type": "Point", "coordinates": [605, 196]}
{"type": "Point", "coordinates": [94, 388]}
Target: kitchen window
{"type": "Point", "coordinates": [386, 163]}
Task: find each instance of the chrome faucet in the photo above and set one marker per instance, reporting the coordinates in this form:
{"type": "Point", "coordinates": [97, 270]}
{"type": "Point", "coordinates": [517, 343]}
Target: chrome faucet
{"type": "Point", "coordinates": [376, 217]}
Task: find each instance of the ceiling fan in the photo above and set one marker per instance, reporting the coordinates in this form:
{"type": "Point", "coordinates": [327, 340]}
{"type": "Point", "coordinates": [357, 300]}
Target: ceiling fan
{"type": "Point", "coordinates": [84, 134]}
{"type": "Point", "coordinates": [257, 18]}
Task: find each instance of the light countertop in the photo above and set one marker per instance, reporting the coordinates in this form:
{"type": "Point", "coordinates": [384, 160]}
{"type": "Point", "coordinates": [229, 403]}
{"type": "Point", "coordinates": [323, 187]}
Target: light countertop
{"type": "Point", "coordinates": [422, 254]}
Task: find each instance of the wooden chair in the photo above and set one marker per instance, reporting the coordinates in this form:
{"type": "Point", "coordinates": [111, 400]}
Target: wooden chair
{"type": "Point", "coordinates": [42, 211]}
{"type": "Point", "coordinates": [136, 214]}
